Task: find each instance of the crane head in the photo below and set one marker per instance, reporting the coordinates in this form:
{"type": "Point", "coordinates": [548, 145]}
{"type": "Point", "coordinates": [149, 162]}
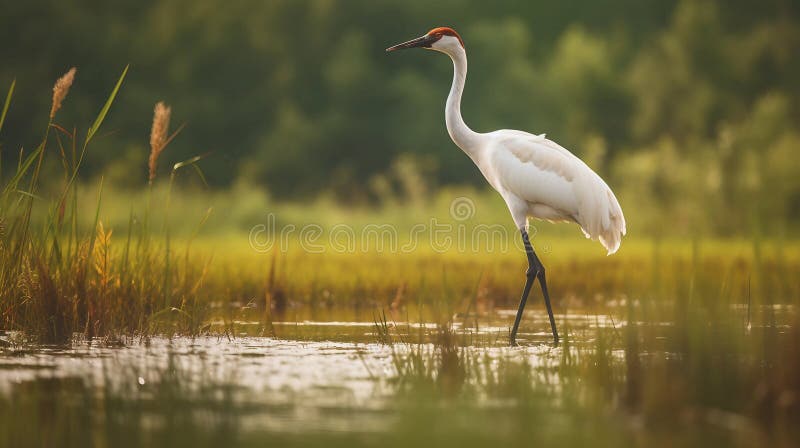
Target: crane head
{"type": "Point", "coordinates": [442, 39]}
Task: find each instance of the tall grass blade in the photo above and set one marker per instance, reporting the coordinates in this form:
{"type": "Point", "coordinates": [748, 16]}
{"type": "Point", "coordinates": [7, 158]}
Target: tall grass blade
{"type": "Point", "coordinates": [200, 174]}
{"type": "Point", "coordinates": [22, 169]}
{"type": "Point", "coordinates": [96, 214]}
{"type": "Point", "coordinates": [102, 115]}
{"type": "Point", "coordinates": [191, 161]}
{"type": "Point", "coordinates": [7, 103]}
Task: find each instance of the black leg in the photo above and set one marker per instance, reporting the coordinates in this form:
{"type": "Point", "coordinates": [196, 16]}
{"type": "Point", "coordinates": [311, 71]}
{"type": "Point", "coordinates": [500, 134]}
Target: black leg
{"type": "Point", "coordinates": [543, 284]}
{"type": "Point", "coordinates": [529, 276]}
{"type": "Point", "coordinates": [535, 270]}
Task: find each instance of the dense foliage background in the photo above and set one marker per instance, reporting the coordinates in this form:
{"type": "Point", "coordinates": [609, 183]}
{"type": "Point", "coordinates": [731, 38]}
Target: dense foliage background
{"type": "Point", "coordinates": [688, 108]}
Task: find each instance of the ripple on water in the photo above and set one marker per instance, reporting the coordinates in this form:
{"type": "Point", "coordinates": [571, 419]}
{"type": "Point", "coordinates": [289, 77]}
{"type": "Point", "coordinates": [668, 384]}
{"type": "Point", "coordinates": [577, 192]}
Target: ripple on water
{"type": "Point", "coordinates": [295, 382]}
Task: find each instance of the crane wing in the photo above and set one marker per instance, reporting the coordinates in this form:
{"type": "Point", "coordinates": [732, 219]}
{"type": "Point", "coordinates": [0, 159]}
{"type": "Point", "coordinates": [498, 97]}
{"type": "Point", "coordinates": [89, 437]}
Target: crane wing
{"type": "Point", "coordinates": [556, 185]}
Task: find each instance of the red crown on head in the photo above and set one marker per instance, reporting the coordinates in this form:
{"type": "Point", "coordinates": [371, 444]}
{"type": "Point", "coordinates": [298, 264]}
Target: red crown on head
{"type": "Point", "coordinates": [445, 31]}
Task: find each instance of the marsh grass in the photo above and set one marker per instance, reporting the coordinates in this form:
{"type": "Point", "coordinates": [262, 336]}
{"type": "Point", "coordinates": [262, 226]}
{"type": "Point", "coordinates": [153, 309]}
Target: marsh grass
{"type": "Point", "coordinates": [60, 279]}
{"type": "Point", "coordinates": [672, 368]}
{"type": "Point", "coordinates": [704, 379]}
{"type": "Point", "coordinates": [704, 336]}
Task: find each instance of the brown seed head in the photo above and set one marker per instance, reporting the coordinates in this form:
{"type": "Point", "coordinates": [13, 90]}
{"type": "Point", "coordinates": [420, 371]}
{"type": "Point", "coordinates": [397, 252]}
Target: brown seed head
{"type": "Point", "coordinates": [60, 90]}
{"type": "Point", "coordinates": [158, 135]}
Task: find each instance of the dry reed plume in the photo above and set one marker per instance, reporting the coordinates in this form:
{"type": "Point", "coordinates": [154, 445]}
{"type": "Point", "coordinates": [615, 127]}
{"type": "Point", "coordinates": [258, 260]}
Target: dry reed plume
{"type": "Point", "coordinates": [158, 135]}
{"type": "Point", "coordinates": [60, 90]}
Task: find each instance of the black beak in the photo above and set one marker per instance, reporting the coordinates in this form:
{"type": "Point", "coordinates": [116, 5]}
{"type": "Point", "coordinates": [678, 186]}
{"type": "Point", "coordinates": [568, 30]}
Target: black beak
{"type": "Point", "coordinates": [424, 41]}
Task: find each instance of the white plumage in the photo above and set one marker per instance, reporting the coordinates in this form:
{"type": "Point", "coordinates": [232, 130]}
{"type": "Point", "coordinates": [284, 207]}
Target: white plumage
{"type": "Point", "coordinates": [541, 179]}
{"type": "Point", "coordinates": [535, 176]}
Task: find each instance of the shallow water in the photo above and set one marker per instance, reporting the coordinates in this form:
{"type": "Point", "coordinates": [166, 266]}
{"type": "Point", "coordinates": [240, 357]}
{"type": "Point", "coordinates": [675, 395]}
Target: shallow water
{"type": "Point", "coordinates": [310, 375]}
{"type": "Point", "coordinates": [326, 374]}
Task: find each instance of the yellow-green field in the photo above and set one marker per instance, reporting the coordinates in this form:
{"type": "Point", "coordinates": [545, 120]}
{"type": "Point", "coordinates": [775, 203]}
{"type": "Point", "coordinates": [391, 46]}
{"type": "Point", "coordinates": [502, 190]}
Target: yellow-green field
{"type": "Point", "coordinates": [663, 344]}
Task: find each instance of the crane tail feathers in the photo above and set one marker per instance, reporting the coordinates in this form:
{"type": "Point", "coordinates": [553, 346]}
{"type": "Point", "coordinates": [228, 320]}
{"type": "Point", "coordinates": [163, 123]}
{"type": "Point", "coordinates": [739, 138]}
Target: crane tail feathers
{"type": "Point", "coordinates": [611, 238]}
{"type": "Point", "coordinates": [601, 217]}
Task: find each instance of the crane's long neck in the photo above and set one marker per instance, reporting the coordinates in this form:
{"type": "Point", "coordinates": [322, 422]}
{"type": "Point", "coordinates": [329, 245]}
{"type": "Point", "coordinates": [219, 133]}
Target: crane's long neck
{"type": "Point", "coordinates": [462, 135]}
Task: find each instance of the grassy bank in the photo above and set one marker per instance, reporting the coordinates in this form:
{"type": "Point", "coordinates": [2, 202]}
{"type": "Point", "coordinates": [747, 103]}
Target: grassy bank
{"type": "Point", "coordinates": [131, 290]}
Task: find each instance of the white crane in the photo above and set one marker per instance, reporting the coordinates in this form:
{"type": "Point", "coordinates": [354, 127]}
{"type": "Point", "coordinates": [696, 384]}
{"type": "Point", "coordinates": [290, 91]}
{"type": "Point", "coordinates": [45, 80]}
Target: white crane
{"type": "Point", "coordinates": [535, 176]}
